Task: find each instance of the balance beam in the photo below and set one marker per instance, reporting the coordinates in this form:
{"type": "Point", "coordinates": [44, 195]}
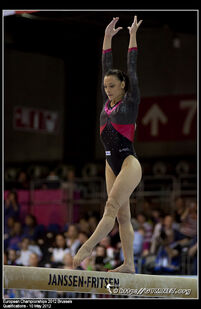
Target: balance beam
{"type": "Point", "coordinates": [97, 282]}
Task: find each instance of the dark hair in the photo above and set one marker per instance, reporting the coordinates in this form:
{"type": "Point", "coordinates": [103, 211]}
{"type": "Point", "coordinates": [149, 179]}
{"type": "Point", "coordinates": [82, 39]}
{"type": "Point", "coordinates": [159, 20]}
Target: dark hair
{"type": "Point", "coordinates": [15, 195]}
{"type": "Point", "coordinates": [120, 75]}
{"type": "Point", "coordinates": [62, 235]}
{"type": "Point", "coordinates": [33, 218]}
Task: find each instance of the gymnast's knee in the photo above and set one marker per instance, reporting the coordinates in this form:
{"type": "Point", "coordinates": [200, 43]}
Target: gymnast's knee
{"type": "Point", "coordinates": [111, 208]}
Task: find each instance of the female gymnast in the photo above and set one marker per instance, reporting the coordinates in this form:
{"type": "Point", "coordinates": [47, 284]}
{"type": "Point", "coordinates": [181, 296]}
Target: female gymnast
{"type": "Point", "coordinates": [117, 126]}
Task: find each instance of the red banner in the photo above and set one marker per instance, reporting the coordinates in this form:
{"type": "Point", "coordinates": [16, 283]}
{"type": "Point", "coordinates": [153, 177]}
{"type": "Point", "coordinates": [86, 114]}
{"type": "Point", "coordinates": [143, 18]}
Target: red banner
{"type": "Point", "coordinates": [169, 118]}
{"type": "Point", "coordinates": [43, 206]}
{"type": "Point", "coordinates": [38, 120]}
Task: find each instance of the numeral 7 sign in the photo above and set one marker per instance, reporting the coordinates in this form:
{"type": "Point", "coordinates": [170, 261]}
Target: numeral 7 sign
{"type": "Point", "coordinates": [167, 118]}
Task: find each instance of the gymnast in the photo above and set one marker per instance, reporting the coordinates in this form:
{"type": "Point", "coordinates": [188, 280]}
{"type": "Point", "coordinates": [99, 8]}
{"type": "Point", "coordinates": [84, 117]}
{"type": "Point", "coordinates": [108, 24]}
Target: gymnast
{"type": "Point", "coordinates": [123, 171]}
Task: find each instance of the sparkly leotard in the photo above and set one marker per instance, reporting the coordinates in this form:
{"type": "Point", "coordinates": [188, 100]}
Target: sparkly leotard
{"type": "Point", "coordinates": [117, 123]}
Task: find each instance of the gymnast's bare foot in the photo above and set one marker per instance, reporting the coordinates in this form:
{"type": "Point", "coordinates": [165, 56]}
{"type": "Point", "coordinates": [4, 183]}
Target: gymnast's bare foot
{"type": "Point", "coordinates": [124, 269]}
{"type": "Point", "coordinates": [82, 254]}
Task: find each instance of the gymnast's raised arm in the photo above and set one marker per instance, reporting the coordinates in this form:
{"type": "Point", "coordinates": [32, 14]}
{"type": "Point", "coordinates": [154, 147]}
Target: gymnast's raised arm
{"type": "Point", "coordinates": [107, 63]}
{"type": "Point", "coordinates": [132, 62]}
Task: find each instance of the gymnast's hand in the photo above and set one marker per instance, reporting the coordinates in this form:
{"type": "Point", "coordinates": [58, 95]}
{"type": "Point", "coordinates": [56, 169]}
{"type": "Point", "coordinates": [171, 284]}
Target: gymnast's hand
{"type": "Point", "coordinates": [110, 30]}
{"type": "Point", "coordinates": [135, 25]}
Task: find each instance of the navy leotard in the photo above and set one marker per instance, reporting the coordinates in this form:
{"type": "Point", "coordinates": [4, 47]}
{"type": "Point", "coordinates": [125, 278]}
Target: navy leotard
{"type": "Point", "coordinates": [117, 123]}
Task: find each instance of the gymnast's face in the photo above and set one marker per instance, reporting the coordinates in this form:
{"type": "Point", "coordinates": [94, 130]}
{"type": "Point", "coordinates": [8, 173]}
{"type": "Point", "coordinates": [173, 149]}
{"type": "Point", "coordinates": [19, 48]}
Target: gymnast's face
{"type": "Point", "coordinates": [114, 88]}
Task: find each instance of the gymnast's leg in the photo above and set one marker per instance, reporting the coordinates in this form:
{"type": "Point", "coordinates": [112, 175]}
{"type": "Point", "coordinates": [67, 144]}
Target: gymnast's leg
{"type": "Point", "coordinates": [125, 227]}
{"type": "Point", "coordinates": [109, 177]}
{"type": "Point", "coordinates": [124, 217]}
{"type": "Point", "coordinates": [126, 233]}
{"type": "Point", "coordinates": [124, 184]}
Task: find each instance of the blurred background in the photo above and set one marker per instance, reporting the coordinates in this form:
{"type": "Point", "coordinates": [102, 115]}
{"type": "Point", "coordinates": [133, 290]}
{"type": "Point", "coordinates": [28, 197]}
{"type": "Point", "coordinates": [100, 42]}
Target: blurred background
{"type": "Point", "coordinates": [54, 184]}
